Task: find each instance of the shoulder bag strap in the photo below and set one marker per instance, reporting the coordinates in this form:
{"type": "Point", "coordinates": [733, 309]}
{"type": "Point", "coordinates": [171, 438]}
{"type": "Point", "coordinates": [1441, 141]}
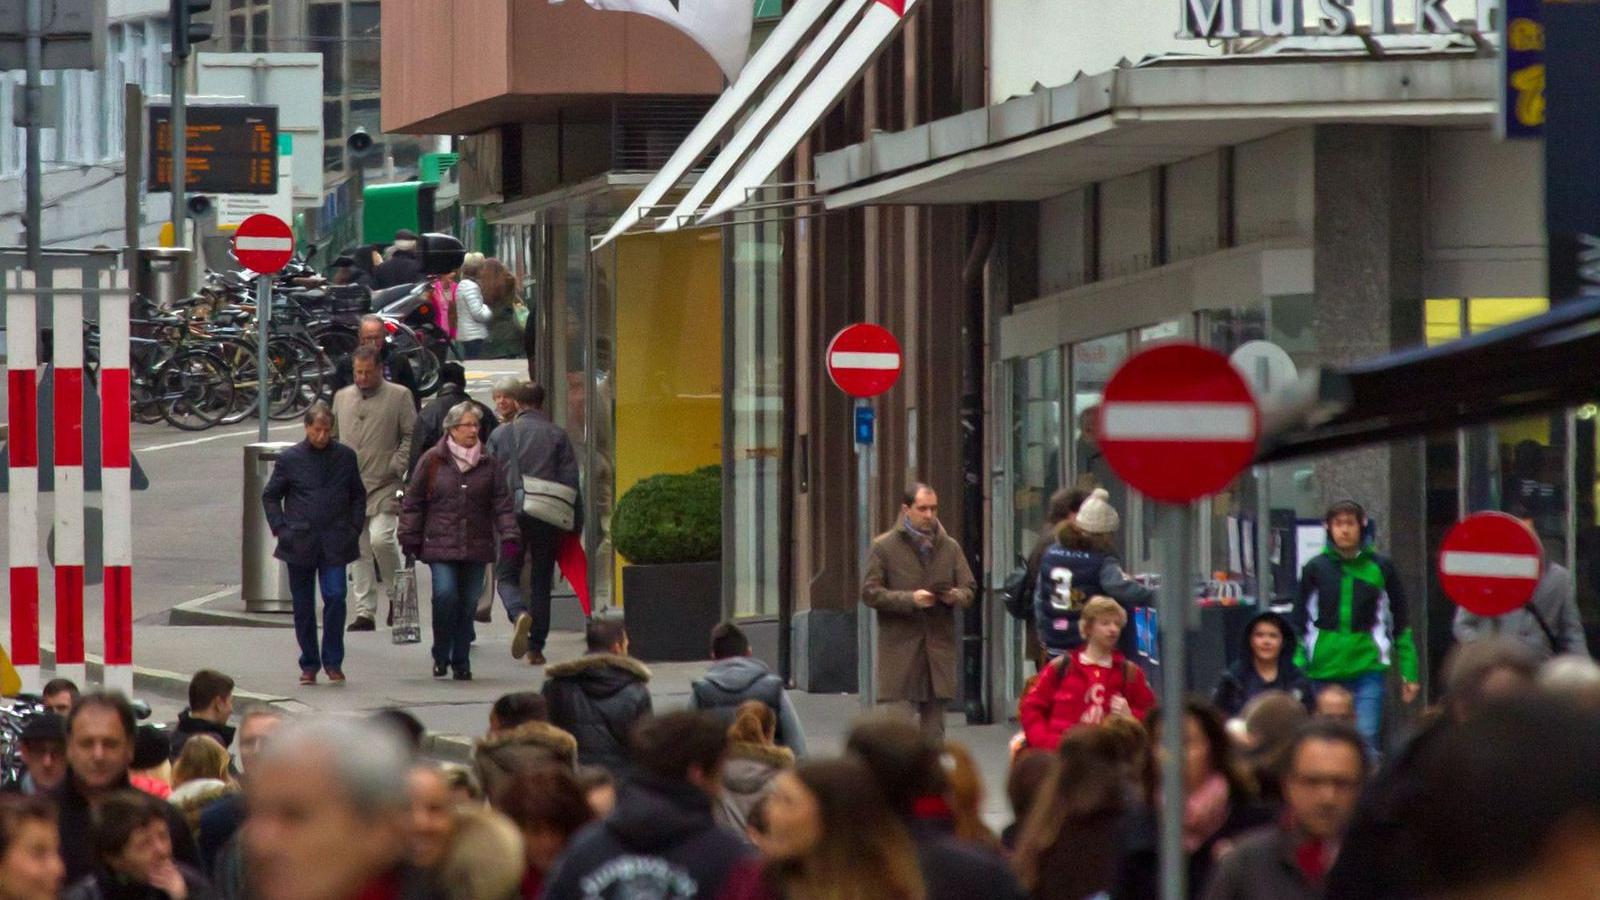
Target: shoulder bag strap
{"type": "Point", "coordinates": [1555, 644]}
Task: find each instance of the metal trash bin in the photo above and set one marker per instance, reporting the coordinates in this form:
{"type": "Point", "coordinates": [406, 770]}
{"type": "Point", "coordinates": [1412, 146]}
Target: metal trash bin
{"type": "Point", "coordinates": [265, 581]}
{"type": "Point", "coordinates": [162, 273]}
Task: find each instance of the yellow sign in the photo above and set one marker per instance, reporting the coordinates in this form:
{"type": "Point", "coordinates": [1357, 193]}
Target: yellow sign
{"type": "Point", "coordinates": [10, 682]}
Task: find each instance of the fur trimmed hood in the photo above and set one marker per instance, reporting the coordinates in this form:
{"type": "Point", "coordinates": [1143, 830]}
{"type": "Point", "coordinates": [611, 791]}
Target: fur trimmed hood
{"type": "Point", "coordinates": [595, 662]}
{"type": "Point", "coordinates": [541, 735]}
{"type": "Point", "coordinates": [767, 754]}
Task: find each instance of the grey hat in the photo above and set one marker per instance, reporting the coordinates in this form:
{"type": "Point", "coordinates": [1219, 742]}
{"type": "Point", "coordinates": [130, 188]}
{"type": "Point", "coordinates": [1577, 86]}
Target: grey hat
{"type": "Point", "coordinates": [1096, 515]}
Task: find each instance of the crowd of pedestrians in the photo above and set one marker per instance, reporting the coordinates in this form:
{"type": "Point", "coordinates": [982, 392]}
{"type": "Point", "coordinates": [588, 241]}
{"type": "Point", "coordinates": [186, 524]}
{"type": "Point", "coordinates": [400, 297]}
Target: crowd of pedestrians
{"type": "Point", "coordinates": [376, 486]}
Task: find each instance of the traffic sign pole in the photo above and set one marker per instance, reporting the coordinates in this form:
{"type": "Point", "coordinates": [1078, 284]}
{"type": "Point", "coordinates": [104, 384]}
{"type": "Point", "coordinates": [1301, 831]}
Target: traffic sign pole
{"type": "Point", "coordinates": [866, 616]}
{"type": "Point", "coordinates": [263, 318]}
{"type": "Point", "coordinates": [1174, 604]}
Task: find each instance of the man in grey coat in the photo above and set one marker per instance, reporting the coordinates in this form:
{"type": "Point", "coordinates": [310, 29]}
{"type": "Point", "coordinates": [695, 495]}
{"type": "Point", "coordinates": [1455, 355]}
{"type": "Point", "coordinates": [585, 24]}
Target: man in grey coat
{"type": "Point", "coordinates": [1549, 624]}
{"type": "Point", "coordinates": [530, 445]}
{"type": "Point", "coordinates": [375, 418]}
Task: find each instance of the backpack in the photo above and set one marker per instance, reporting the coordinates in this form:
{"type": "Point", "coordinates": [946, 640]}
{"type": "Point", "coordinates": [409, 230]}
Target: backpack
{"type": "Point", "coordinates": [1018, 591]}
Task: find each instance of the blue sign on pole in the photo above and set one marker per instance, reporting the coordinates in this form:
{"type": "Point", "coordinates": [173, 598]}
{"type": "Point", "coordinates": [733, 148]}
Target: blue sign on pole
{"type": "Point", "coordinates": [1522, 70]}
{"type": "Point", "coordinates": [1572, 147]}
{"type": "Point", "coordinates": [864, 424]}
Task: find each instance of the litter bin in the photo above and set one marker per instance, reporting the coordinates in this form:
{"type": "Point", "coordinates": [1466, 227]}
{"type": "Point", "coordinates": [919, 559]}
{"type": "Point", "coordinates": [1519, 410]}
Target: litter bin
{"type": "Point", "coordinates": [265, 582]}
{"type": "Point", "coordinates": [162, 273]}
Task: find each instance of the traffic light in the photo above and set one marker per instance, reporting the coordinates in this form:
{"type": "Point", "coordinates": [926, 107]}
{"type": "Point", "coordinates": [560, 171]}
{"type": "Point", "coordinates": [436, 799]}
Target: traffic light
{"type": "Point", "coordinates": [185, 31]}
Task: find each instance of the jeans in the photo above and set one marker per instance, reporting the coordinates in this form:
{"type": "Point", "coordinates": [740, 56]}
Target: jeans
{"type": "Point", "coordinates": [378, 542]}
{"type": "Point", "coordinates": [538, 551]}
{"type": "Point", "coordinates": [471, 349]}
{"type": "Point", "coordinates": [456, 588]}
{"type": "Point", "coordinates": [1367, 690]}
{"type": "Point", "coordinates": [303, 581]}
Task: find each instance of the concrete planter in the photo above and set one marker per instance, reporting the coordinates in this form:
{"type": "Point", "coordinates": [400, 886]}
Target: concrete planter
{"type": "Point", "coordinates": [670, 609]}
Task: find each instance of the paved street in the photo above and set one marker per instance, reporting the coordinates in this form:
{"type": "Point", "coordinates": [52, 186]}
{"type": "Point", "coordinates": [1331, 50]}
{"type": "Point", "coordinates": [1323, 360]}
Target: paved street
{"type": "Point", "coordinates": [187, 553]}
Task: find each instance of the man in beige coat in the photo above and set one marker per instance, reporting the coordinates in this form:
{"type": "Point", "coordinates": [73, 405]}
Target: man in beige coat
{"type": "Point", "coordinates": [916, 579]}
{"type": "Point", "coordinates": [374, 417]}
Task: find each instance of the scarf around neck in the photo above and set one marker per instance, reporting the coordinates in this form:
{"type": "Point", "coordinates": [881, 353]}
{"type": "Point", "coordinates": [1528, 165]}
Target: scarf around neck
{"type": "Point", "coordinates": [464, 457]}
{"type": "Point", "coordinates": [1205, 811]}
{"type": "Point", "coordinates": [923, 540]}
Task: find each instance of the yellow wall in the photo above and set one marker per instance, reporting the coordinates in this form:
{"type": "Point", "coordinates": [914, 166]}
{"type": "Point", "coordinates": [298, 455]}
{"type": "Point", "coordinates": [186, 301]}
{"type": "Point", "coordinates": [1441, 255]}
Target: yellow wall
{"type": "Point", "coordinates": [668, 356]}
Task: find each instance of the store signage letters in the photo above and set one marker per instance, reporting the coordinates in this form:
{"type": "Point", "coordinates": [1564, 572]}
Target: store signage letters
{"type": "Point", "coordinates": [1284, 18]}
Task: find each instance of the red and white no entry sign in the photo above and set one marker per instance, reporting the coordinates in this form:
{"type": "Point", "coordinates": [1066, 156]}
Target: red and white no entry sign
{"type": "Point", "coordinates": [864, 360]}
{"type": "Point", "coordinates": [1178, 422]}
{"type": "Point", "coordinates": [263, 243]}
{"type": "Point", "coordinates": [1490, 563]}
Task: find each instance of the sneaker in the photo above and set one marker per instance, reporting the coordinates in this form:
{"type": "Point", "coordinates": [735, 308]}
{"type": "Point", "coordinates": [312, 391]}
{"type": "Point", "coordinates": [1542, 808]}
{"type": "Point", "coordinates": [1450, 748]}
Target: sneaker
{"type": "Point", "coordinates": [362, 623]}
{"type": "Point", "coordinates": [440, 670]}
{"type": "Point", "coordinates": [463, 675]}
{"type": "Point", "coordinates": [535, 658]}
{"type": "Point", "coordinates": [308, 676]}
{"type": "Point", "coordinates": [336, 676]}
{"type": "Point", "coordinates": [519, 641]}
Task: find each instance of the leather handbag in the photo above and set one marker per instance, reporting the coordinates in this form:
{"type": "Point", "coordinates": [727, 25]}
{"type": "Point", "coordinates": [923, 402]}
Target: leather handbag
{"type": "Point", "coordinates": [550, 502]}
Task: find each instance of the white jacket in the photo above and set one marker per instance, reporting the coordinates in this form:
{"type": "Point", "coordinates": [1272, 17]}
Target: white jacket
{"type": "Point", "coordinates": [472, 314]}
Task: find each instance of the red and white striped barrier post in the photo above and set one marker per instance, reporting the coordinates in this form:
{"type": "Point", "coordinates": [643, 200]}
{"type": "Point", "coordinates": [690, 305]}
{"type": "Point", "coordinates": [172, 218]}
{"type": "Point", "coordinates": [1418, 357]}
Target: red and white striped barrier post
{"type": "Point", "coordinates": [22, 368]}
{"type": "Point", "coordinates": [67, 417]}
{"type": "Point", "coordinates": [116, 457]}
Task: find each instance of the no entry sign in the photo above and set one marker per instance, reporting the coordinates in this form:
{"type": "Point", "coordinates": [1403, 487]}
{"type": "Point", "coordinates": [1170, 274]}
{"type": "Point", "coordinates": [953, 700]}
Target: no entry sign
{"type": "Point", "coordinates": [1178, 422]}
{"type": "Point", "coordinates": [263, 243]}
{"type": "Point", "coordinates": [1490, 563]}
{"type": "Point", "coordinates": [864, 360]}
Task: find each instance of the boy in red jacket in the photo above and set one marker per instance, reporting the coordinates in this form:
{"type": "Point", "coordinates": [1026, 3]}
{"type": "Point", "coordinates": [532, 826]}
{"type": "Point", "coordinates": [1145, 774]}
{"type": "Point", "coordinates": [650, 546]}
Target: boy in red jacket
{"type": "Point", "coordinates": [1087, 685]}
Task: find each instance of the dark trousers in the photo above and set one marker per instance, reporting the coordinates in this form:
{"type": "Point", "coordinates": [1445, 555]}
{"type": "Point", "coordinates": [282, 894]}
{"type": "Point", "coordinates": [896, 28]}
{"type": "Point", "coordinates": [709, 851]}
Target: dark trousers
{"type": "Point", "coordinates": [303, 583]}
{"type": "Point", "coordinates": [539, 553]}
{"type": "Point", "coordinates": [456, 588]}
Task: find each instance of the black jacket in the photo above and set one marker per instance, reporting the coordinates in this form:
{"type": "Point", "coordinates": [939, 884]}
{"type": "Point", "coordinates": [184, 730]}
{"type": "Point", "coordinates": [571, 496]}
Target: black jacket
{"type": "Point", "coordinates": [1262, 867]}
{"type": "Point", "coordinates": [1241, 683]}
{"type": "Point", "coordinates": [1066, 580]}
{"type": "Point", "coordinates": [402, 268]}
{"type": "Point", "coordinates": [188, 726]}
{"type": "Point", "coordinates": [316, 505]}
{"type": "Point", "coordinates": [103, 885]}
{"type": "Point", "coordinates": [430, 421]}
{"type": "Point", "coordinates": [955, 870]}
{"type": "Point", "coordinates": [598, 699]}
{"type": "Point", "coordinates": [660, 843]}
{"type": "Point", "coordinates": [77, 833]}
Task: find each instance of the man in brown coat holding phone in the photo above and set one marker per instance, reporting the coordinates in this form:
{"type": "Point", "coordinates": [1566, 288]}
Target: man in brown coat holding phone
{"type": "Point", "coordinates": [916, 579]}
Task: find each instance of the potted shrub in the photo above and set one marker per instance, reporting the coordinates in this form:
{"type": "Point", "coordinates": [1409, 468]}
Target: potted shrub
{"type": "Point", "coordinates": [668, 529]}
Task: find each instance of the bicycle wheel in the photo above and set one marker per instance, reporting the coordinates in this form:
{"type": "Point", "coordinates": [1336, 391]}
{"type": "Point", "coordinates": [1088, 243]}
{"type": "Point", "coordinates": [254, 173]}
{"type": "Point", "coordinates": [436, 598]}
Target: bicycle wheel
{"type": "Point", "coordinates": [297, 377]}
{"type": "Point", "coordinates": [240, 357]}
{"type": "Point", "coordinates": [194, 390]}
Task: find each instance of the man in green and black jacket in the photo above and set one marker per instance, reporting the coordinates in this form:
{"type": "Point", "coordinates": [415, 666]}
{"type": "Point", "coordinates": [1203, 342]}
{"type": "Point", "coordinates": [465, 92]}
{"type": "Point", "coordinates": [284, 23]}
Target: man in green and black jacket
{"type": "Point", "coordinates": [1353, 619]}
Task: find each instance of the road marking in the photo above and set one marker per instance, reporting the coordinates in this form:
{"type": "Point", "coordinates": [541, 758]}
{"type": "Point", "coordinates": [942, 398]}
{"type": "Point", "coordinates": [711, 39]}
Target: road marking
{"type": "Point", "coordinates": [1138, 421]}
{"type": "Point", "coordinates": [214, 437]}
{"type": "Point", "coordinates": [1469, 564]}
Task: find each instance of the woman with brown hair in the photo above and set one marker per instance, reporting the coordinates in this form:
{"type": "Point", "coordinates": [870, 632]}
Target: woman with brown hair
{"type": "Point", "coordinates": [965, 795]}
{"type": "Point", "coordinates": [1071, 843]}
{"type": "Point", "coordinates": [754, 759]}
{"type": "Point", "coordinates": [30, 849]}
{"type": "Point", "coordinates": [548, 806]}
{"type": "Point", "coordinates": [830, 836]}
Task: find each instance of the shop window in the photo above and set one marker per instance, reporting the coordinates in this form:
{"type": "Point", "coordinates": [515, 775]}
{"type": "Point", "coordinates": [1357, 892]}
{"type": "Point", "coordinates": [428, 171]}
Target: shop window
{"type": "Point", "coordinates": [1093, 364]}
{"type": "Point", "coordinates": [1036, 464]}
{"type": "Point", "coordinates": [754, 417]}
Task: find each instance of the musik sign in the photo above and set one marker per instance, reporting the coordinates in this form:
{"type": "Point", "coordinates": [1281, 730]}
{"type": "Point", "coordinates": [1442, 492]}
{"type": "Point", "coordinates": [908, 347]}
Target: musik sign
{"type": "Point", "coordinates": [1286, 18]}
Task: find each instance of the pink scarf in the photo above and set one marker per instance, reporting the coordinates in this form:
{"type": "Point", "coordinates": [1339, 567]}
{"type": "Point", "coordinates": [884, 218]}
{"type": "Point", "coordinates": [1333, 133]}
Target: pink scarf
{"type": "Point", "coordinates": [465, 457]}
{"type": "Point", "coordinates": [444, 297]}
{"type": "Point", "coordinates": [1205, 811]}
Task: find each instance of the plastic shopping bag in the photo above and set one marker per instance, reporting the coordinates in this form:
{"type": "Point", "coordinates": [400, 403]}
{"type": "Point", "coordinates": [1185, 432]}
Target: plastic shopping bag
{"type": "Point", "coordinates": [403, 600]}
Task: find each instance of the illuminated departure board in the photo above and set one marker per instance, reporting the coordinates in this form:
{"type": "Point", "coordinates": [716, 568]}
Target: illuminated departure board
{"type": "Point", "coordinates": [232, 149]}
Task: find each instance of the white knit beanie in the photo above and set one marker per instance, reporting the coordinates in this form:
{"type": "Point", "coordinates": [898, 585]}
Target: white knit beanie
{"type": "Point", "coordinates": [1096, 516]}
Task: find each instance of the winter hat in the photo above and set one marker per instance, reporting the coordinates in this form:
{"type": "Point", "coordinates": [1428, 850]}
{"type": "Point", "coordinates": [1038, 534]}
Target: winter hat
{"type": "Point", "coordinates": [1096, 516]}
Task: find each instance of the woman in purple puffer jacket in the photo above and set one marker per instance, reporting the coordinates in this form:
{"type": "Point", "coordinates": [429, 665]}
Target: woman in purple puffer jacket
{"type": "Point", "coordinates": [457, 508]}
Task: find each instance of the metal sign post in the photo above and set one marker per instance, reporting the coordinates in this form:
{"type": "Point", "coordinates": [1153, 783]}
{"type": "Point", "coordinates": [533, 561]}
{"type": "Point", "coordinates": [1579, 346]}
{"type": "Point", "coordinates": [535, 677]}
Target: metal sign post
{"type": "Point", "coordinates": [866, 617]}
{"type": "Point", "coordinates": [263, 317]}
{"type": "Point", "coordinates": [1174, 603]}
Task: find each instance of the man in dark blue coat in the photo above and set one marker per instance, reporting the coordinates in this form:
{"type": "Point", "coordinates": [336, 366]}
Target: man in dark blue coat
{"type": "Point", "coordinates": [316, 506]}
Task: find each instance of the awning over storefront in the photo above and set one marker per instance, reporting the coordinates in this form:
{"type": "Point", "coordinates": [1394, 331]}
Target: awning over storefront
{"type": "Point", "coordinates": [1119, 122]}
{"type": "Point", "coordinates": [817, 51]}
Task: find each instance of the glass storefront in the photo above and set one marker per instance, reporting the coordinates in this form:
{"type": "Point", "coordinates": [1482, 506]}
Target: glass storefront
{"type": "Point", "coordinates": [754, 415]}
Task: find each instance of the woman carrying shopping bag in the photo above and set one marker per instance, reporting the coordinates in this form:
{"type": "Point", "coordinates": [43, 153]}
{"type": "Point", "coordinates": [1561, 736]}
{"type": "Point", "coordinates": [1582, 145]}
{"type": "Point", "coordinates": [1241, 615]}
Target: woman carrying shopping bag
{"type": "Point", "coordinates": [457, 509]}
